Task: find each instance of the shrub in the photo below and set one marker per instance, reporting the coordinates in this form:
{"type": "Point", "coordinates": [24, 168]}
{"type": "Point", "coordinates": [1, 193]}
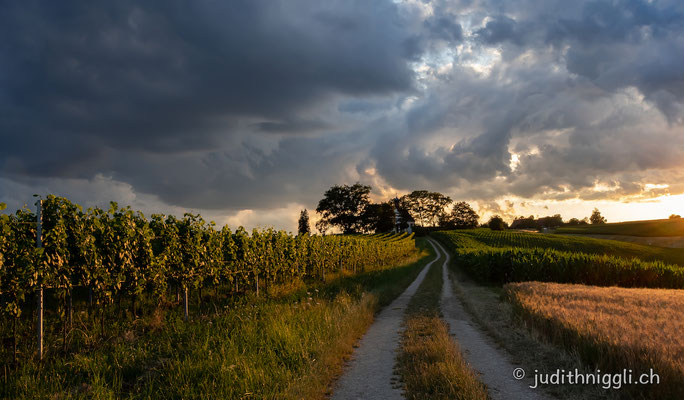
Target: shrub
{"type": "Point", "coordinates": [496, 223]}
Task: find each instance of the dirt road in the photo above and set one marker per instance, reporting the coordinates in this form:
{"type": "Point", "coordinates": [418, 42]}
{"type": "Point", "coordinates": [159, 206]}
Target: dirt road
{"type": "Point", "coordinates": [492, 363]}
{"type": "Point", "coordinates": [370, 373]}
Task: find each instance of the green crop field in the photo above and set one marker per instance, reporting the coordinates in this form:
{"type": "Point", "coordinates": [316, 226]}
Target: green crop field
{"type": "Point", "coordinates": [487, 237]}
{"type": "Point", "coordinates": [651, 228]}
{"type": "Point", "coordinates": [499, 257]}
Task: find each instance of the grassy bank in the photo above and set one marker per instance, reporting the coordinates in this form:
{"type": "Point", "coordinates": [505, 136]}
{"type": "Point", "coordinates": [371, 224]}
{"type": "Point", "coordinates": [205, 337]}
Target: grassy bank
{"type": "Point", "coordinates": [284, 347]}
{"type": "Point", "coordinates": [612, 328]}
{"type": "Point", "coordinates": [430, 363]}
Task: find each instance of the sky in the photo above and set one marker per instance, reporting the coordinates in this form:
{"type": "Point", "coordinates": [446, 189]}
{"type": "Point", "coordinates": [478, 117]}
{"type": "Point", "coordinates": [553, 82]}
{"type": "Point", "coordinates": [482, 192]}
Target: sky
{"type": "Point", "coordinates": [248, 110]}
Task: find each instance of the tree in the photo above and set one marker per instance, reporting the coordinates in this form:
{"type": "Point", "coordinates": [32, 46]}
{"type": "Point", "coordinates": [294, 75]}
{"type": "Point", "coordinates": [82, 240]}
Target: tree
{"type": "Point", "coordinates": [524, 223]}
{"type": "Point", "coordinates": [461, 216]}
{"type": "Point", "coordinates": [596, 217]}
{"type": "Point", "coordinates": [303, 228]}
{"type": "Point", "coordinates": [550, 222]}
{"type": "Point", "coordinates": [675, 216]}
{"type": "Point", "coordinates": [378, 218]}
{"type": "Point", "coordinates": [322, 226]}
{"type": "Point", "coordinates": [343, 206]}
{"type": "Point", "coordinates": [425, 207]}
{"type": "Point", "coordinates": [496, 223]}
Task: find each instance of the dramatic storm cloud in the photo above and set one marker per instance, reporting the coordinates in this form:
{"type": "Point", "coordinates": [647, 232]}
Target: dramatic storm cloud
{"type": "Point", "coordinates": [230, 106]}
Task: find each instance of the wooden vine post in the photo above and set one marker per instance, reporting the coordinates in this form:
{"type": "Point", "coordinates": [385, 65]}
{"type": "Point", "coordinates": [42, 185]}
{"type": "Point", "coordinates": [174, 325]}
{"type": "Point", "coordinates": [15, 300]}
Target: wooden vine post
{"type": "Point", "coordinates": [185, 297]}
{"type": "Point", "coordinates": [39, 244]}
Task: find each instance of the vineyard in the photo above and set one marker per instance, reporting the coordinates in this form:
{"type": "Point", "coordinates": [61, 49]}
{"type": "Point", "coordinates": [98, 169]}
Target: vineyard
{"type": "Point", "coordinates": [500, 257]}
{"type": "Point", "coordinates": [119, 254]}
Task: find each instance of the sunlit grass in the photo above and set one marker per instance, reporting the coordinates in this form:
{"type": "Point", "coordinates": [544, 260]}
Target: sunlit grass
{"type": "Point", "coordinates": [430, 362]}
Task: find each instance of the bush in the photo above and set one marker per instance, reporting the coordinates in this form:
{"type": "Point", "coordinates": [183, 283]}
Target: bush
{"type": "Point", "coordinates": [496, 223]}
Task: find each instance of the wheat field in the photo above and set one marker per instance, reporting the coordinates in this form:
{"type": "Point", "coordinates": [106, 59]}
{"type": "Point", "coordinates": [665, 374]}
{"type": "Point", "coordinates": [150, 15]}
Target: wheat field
{"type": "Point", "coordinates": [612, 328]}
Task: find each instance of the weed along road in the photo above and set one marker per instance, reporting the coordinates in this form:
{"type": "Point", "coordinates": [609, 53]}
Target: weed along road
{"type": "Point", "coordinates": [370, 373]}
{"type": "Point", "coordinates": [494, 369]}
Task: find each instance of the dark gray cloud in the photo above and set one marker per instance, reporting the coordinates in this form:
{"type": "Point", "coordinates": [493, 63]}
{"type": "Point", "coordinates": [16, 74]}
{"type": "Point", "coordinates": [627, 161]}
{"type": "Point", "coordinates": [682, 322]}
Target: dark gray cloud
{"type": "Point", "coordinates": [80, 76]}
{"type": "Point", "coordinates": [500, 29]}
{"type": "Point", "coordinates": [256, 104]}
{"type": "Point", "coordinates": [165, 95]}
{"type": "Point", "coordinates": [445, 27]}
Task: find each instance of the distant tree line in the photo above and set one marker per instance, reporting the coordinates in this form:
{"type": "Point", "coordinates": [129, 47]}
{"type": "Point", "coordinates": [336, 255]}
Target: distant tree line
{"type": "Point", "coordinates": [348, 208]}
{"type": "Point", "coordinates": [530, 222]}
{"type": "Point", "coordinates": [555, 221]}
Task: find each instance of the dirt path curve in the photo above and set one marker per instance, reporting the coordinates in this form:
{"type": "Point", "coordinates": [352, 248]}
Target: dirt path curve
{"type": "Point", "coordinates": [493, 364]}
{"type": "Point", "coordinates": [370, 372]}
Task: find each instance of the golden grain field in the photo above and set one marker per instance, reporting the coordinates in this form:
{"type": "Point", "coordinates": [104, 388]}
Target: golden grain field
{"type": "Point", "coordinates": [612, 328]}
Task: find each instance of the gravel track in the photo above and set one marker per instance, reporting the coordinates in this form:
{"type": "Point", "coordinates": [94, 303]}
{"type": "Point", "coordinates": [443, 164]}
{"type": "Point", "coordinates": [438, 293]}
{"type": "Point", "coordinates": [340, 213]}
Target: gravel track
{"type": "Point", "coordinates": [370, 372]}
{"type": "Point", "coordinates": [493, 364]}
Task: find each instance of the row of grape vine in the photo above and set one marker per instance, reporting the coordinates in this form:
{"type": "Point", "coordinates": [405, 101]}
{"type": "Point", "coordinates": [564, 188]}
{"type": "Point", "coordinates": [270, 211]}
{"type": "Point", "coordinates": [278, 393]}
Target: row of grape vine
{"type": "Point", "coordinates": [119, 252]}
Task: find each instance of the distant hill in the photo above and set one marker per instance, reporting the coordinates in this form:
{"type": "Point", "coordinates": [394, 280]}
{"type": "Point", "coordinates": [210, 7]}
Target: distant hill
{"type": "Point", "coordinates": [650, 228]}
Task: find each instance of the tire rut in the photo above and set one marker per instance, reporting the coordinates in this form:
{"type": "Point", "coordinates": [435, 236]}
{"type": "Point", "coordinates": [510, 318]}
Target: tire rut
{"type": "Point", "coordinates": [370, 372]}
{"type": "Point", "coordinates": [493, 365]}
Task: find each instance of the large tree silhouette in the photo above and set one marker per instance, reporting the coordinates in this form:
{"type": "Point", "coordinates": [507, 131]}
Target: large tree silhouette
{"type": "Point", "coordinates": [425, 207]}
{"type": "Point", "coordinates": [343, 206]}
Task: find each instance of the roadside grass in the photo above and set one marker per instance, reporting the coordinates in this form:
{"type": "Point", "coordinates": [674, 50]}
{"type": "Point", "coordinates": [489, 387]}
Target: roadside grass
{"type": "Point", "coordinates": [288, 347]}
{"type": "Point", "coordinates": [531, 350]}
{"type": "Point", "coordinates": [611, 328]}
{"type": "Point", "coordinates": [430, 362]}
{"type": "Point", "coordinates": [658, 227]}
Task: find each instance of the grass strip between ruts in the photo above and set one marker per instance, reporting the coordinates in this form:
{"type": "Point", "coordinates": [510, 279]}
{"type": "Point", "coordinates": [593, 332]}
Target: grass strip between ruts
{"type": "Point", "coordinates": [430, 362]}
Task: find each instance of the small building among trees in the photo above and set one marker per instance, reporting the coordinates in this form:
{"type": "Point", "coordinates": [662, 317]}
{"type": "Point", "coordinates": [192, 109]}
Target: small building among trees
{"type": "Point", "coordinates": [403, 222]}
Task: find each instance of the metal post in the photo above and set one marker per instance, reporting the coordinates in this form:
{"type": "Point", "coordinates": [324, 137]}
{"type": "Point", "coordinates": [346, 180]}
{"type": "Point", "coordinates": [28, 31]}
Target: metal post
{"type": "Point", "coordinates": [39, 244]}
